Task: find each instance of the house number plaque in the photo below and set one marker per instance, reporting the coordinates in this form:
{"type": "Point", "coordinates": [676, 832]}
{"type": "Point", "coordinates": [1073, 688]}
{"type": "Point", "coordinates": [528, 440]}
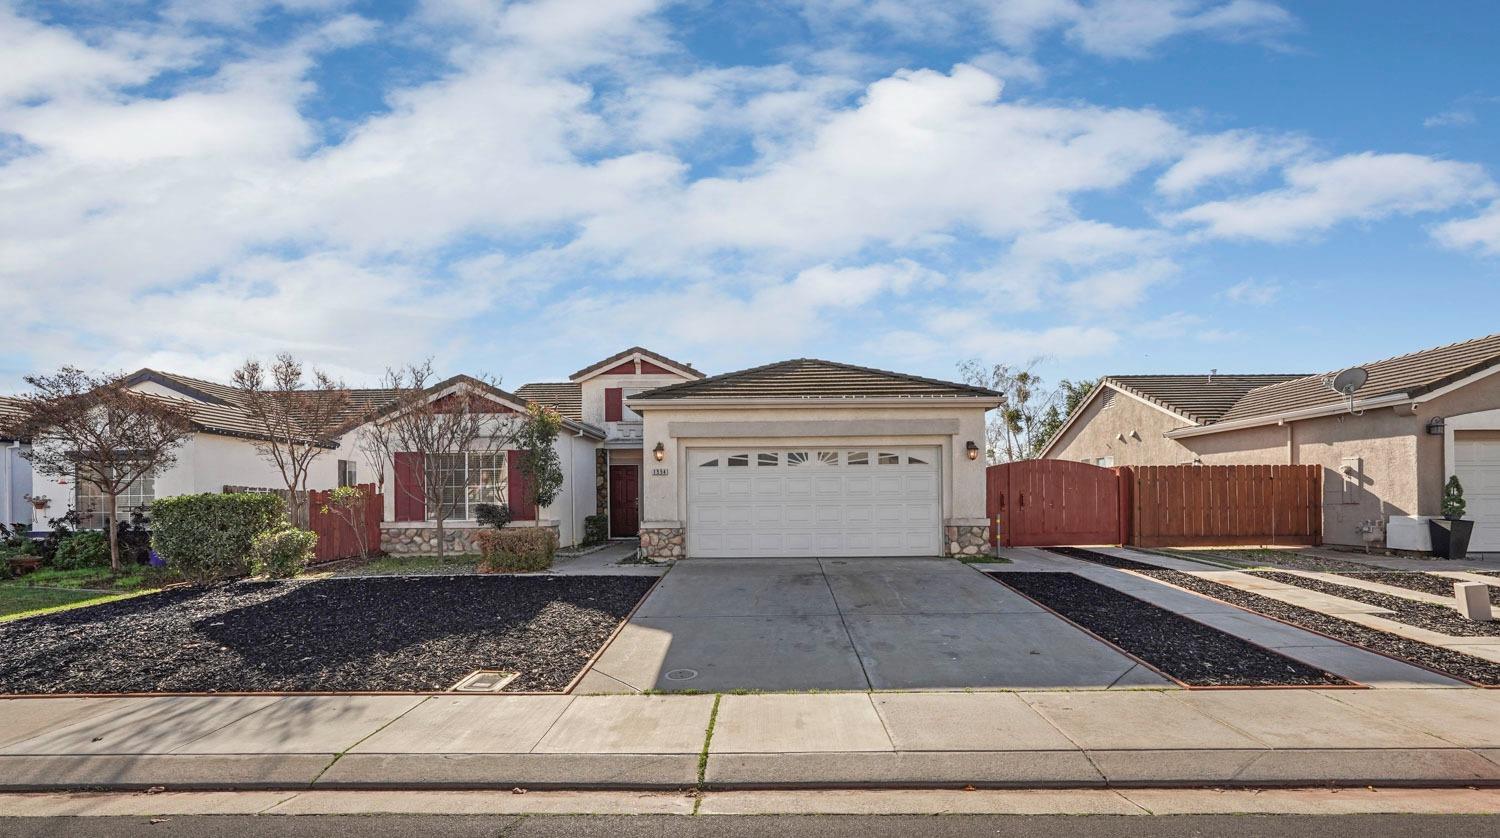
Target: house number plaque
{"type": "Point", "coordinates": [658, 472]}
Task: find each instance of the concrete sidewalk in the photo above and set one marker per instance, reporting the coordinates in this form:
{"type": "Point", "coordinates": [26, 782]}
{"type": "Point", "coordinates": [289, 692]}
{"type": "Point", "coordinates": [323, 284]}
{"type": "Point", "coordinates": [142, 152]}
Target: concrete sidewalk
{"type": "Point", "coordinates": [1041, 739]}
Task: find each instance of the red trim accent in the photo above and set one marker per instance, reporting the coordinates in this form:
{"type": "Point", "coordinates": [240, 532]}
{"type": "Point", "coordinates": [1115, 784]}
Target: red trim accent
{"type": "Point", "coordinates": [522, 505]}
{"type": "Point", "coordinates": [614, 404]}
{"type": "Point", "coordinates": [411, 501]}
{"type": "Point", "coordinates": [648, 368]}
{"type": "Point", "coordinates": [627, 368]}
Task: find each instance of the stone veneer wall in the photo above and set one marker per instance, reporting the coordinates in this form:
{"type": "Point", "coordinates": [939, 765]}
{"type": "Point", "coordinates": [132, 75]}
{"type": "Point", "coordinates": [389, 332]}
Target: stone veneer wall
{"type": "Point", "coordinates": [422, 541]}
{"type": "Point", "coordinates": [663, 542]}
{"type": "Point", "coordinates": [601, 481]}
{"type": "Point", "coordinates": [967, 540]}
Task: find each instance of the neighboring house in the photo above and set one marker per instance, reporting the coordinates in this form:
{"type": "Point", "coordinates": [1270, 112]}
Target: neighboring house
{"type": "Point", "coordinates": [1418, 419]}
{"type": "Point", "coordinates": [813, 458]}
{"type": "Point", "coordinates": [15, 473]}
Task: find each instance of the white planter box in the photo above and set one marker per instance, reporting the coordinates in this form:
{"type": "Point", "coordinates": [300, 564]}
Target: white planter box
{"type": "Point", "coordinates": [1408, 532]}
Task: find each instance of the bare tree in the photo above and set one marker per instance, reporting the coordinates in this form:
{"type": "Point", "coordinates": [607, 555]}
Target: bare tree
{"type": "Point", "coordinates": [99, 432]}
{"type": "Point", "coordinates": [434, 426]}
{"type": "Point", "coordinates": [1016, 430]}
{"type": "Point", "coordinates": [297, 417]}
{"type": "Point", "coordinates": [374, 446]}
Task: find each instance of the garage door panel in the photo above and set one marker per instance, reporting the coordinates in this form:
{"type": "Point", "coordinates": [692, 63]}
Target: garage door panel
{"type": "Point", "coordinates": [810, 502]}
{"type": "Point", "coordinates": [1477, 464]}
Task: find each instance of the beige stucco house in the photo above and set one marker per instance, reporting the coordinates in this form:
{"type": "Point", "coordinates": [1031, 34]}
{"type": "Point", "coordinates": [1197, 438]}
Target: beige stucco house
{"type": "Point", "coordinates": [1418, 419]}
{"type": "Point", "coordinates": [813, 458]}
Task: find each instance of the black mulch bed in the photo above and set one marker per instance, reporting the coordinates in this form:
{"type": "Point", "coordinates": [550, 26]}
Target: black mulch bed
{"type": "Point", "coordinates": [1191, 652]}
{"type": "Point", "coordinates": [1456, 664]}
{"type": "Point", "coordinates": [414, 633]}
{"type": "Point", "coordinates": [1442, 619]}
{"type": "Point", "coordinates": [1418, 580]}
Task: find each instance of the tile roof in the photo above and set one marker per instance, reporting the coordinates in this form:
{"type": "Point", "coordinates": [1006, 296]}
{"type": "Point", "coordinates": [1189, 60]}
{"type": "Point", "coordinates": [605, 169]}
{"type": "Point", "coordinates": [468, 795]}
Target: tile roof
{"type": "Point", "coordinates": [1414, 374]}
{"type": "Point", "coordinates": [810, 378]}
{"type": "Point", "coordinates": [620, 356]}
{"type": "Point", "coordinates": [566, 397]}
{"type": "Point", "coordinates": [1201, 398]}
{"type": "Point", "coordinates": [10, 408]}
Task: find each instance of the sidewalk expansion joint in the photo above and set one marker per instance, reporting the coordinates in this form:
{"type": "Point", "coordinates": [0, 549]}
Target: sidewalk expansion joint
{"type": "Point", "coordinates": [340, 755]}
{"type": "Point", "coordinates": [708, 738]}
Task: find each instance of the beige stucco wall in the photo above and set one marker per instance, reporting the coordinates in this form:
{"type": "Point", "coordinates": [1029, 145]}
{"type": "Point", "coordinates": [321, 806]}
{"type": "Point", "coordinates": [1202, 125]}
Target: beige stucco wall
{"type": "Point", "coordinates": [664, 499]}
{"type": "Point", "coordinates": [1094, 434]}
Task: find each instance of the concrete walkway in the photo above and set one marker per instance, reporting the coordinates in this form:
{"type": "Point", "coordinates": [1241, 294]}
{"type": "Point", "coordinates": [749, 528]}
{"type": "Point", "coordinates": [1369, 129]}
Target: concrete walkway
{"type": "Point", "coordinates": [718, 625]}
{"type": "Point", "coordinates": [1032, 739]}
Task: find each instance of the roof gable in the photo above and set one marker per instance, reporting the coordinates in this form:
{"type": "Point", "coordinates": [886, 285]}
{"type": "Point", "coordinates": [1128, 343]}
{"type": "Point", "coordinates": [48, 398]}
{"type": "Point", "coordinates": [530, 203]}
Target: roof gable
{"type": "Point", "coordinates": [657, 364]}
{"type": "Point", "coordinates": [1413, 375]}
{"type": "Point", "coordinates": [811, 378]}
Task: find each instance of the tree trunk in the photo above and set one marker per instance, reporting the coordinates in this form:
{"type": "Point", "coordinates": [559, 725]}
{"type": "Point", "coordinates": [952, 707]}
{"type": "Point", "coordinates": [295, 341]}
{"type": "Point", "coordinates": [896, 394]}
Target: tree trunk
{"type": "Point", "coordinates": [442, 542]}
{"type": "Point", "coordinates": [114, 537]}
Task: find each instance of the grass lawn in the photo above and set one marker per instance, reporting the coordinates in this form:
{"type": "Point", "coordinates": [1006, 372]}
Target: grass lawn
{"type": "Point", "coordinates": [49, 589]}
{"type": "Point", "coordinates": [404, 566]}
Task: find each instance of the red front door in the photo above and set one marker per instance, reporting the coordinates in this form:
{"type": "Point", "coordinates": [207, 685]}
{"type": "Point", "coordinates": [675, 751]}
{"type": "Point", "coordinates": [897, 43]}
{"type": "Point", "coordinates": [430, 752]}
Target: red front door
{"type": "Point", "coordinates": [624, 501]}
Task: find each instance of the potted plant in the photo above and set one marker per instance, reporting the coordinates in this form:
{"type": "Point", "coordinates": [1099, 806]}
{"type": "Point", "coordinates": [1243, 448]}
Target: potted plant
{"type": "Point", "coordinates": [1450, 535]}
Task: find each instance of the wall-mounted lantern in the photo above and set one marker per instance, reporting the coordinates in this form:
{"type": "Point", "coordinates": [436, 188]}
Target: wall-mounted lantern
{"type": "Point", "coordinates": [1435, 426]}
{"type": "Point", "coordinates": [659, 452]}
{"type": "Point", "coordinates": [972, 449]}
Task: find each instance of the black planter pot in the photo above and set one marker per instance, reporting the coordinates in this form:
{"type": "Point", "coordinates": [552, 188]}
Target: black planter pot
{"type": "Point", "coordinates": [1450, 539]}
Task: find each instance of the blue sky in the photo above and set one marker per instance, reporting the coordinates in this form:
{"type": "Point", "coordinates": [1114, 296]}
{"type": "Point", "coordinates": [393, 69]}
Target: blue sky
{"type": "Point", "coordinates": [521, 188]}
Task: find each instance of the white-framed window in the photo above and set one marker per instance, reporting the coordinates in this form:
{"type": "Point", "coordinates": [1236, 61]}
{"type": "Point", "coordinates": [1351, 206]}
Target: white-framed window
{"type": "Point", "coordinates": [467, 480]}
{"type": "Point", "coordinates": [348, 473]}
{"type": "Point", "coordinates": [1106, 462]}
{"type": "Point", "coordinates": [93, 505]}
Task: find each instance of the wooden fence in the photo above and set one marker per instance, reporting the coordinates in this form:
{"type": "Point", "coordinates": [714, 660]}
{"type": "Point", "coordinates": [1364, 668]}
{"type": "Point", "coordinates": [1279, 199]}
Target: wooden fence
{"type": "Point", "coordinates": [336, 538]}
{"type": "Point", "coordinates": [1185, 506]}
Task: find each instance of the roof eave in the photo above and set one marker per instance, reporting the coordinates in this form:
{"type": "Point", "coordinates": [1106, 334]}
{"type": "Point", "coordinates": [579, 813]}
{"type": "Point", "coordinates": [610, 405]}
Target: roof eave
{"type": "Point", "coordinates": [1388, 400]}
{"type": "Point", "coordinates": [987, 402]}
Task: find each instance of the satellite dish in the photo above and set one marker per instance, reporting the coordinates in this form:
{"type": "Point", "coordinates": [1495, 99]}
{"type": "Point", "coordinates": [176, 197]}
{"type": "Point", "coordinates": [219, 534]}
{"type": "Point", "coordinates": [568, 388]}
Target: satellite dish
{"type": "Point", "coordinates": [1347, 382]}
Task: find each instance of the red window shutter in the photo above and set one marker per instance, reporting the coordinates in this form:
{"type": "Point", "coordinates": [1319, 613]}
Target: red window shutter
{"type": "Point", "coordinates": [613, 404]}
{"type": "Point", "coordinates": [522, 506]}
{"type": "Point", "coordinates": [411, 498]}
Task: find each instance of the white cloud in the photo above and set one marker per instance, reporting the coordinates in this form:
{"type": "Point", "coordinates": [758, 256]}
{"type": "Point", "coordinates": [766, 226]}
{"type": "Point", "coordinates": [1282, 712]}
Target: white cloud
{"type": "Point", "coordinates": [1233, 156]}
{"type": "Point", "coordinates": [1355, 187]}
{"type": "Point", "coordinates": [1253, 292]}
{"type": "Point", "coordinates": [1482, 232]}
{"type": "Point", "coordinates": [1450, 118]}
{"type": "Point", "coordinates": [1133, 28]}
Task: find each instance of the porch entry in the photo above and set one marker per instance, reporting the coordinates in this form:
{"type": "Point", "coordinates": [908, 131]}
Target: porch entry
{"type": "Point", "coordinates": [624, 501]}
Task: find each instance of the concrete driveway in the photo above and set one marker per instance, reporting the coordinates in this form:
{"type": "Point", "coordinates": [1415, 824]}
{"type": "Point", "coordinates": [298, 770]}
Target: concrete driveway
{"type": "Point", "coordinates": [848, 624]}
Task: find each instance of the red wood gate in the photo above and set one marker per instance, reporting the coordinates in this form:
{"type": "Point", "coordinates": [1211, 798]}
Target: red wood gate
{"type": "Point", "coordinates": [338, 540]}
{"type": "Point", "coordinates": [1050, 503]}
{"type": "Point", "coordinates": [1221, 506]}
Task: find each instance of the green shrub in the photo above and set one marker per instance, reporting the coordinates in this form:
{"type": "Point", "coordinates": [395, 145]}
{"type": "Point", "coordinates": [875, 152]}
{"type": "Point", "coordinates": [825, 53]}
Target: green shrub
{"type": "Point", "coordinates": [495, 515]}
{"type": "Point", "coordinates": [595, 529]}
{"type": "Point", "coordinates": [282, 553]}
{"type": "Point", "coordinates": [83, 549]}
{"type": "Point", "coordinates": [208, 537]}
{"type": "Point", "coordinates": [516, 550]}
{"type": "Point", "coordinates": [1454, 504]}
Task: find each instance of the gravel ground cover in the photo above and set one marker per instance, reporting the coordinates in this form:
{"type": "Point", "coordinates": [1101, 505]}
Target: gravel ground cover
{"type": "Point", "coordinates": [1456, 664]}
{"type": "Point", "coordinates": [1191, 652]}
{"type": "Point", "coordinates": [1442, 619]}
{"type": "Point", "coordinates": [1272, 558]}
{"type": "Point", "coordinates": [1418, 580]}
{"type": "Point", "coordinates": [418, 633]}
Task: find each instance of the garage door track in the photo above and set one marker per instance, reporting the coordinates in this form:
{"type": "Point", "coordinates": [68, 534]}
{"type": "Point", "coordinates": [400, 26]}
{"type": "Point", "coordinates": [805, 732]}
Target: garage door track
{"type": "Point", "coordinates": [719, 625]}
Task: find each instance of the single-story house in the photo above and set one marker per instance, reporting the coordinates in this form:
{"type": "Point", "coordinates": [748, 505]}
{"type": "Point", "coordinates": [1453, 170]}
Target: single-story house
{"type": "Point", "coordinates": [813, 458]}
{"type": "Point", "coordinates": [15, 474]}
{"type": "Point", "coordinates": [1417, 420]}
{"type": "Point", "coordinates": [837, 459]}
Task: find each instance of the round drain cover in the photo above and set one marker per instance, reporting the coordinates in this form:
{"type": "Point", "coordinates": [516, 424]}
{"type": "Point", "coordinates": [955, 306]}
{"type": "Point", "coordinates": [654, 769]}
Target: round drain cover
{"type": "Point", "coordinates": [682, 675]}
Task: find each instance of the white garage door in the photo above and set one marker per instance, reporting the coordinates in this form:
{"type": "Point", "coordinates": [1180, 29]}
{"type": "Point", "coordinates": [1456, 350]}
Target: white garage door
{"type": "Point", "coordinates": [814, 502]}
{"type": "Point", "coordinates": [1477, 463]}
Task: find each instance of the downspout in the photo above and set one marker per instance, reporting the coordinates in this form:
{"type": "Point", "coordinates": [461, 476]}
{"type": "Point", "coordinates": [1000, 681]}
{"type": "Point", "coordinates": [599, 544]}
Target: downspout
{"type": "Point", "coordinates": [6, 486]}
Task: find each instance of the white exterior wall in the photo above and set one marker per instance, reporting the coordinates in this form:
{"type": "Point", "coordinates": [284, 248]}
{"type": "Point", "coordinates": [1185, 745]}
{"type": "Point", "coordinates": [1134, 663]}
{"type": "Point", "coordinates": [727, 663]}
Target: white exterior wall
{"type": "Point", "coordinates": [664, 500]}
{"type": "Point", "coordinates": [593, 401]}
{"type": "Point", "coordinates": [15, 484]}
